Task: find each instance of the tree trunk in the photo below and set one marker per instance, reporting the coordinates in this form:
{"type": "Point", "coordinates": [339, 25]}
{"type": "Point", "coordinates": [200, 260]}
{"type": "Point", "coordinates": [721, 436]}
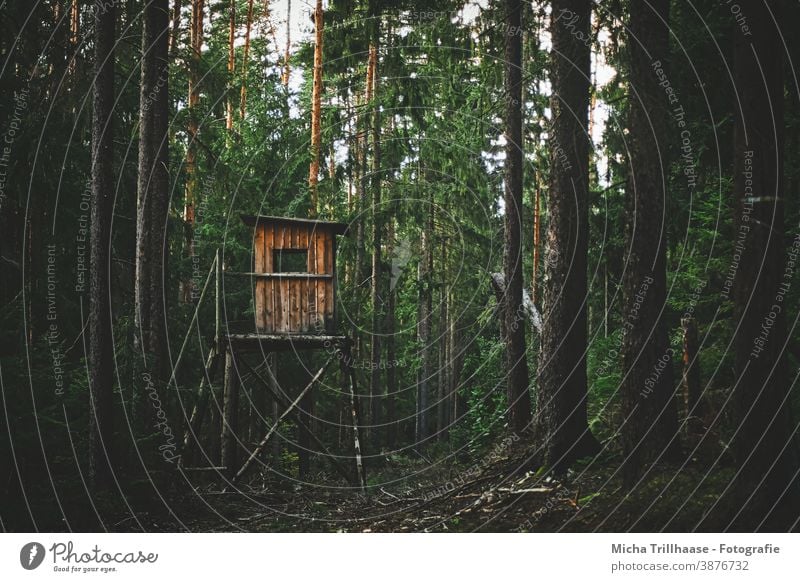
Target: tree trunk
{"type": "Point", "coordinates": [649, 406]}
{"type": "Point", "coordinates": [361, 263]}
{"type": "Point", "coordinates": [455, 375]}
{"type": "Point", "coordinates": [442, 408]}
{"type": "Point", "coordinates": [519, 403]}
{"type": "Point", "coordinates": [562, 418]}
{"type": "Point", "coordinates": [536, 235]}
{"type": "Point", "coordinates": [692, 388]}
{"type": "Point", "coordinates": [246, 55]}
{"type": "Point", "coordinates": [375, 387]}
{"type": "Point", "coordinates": [286, 69]}
{"type": "Point", "coordinates": [101, 334]}
{"type": "Point", "coordinates": [765, 493]}
{"type": "Point", "coordinates": [391, 350]}
{"type": "Point", "coordinates": [425, 310]}
{"type": "Point", "coordinates": [360, 197]}
{"type": "Point", "coordinates": [153, 188]}
{"type": "Point", "coordinates": [528, 309]}
{"type": "Point", "coordinates": [231, 65]}
{"type": "Point", "coordinates": [176, 28]}
{"type": "Point", "coordinates": [316, 112]}
{"type": "Point", "coordinates": [196, 47]}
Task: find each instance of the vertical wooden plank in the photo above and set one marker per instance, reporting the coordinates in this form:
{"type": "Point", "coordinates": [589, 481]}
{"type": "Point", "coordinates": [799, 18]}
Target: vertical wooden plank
{"type": "Point", "coordinates": [285, 315]}
{"type": "Point", "coordinates": [305, 316]}
{"type": "Point", "coordinates": [322, 306]}
{"type": "Point", "coordinates": [329, 236]}
{"type": "Point", "coordinates": [311, 285]}
{"type": "Point", "coordinates": [329, 306]}
{"type": "Point", "coordinates": [291, 287]}
{"type": "Point", "coordinates": [259, 304]}
{"type": "Point", "coordinates": [302, 284]}
{"type": "Point", "coordinates": [278, 314]}
{"type": "Point", "coordinates": [294, 314]}
{"type": "Point", "coordinates": [286, 286]}
{"type": "Point", "coordinates": [282, 316]}
{"type": "Point", "coordinates": [269, 285]}
{"type": "Point", "coordinates": [335, 299]}
{"type": "Point", "coordinates": [269, 241]}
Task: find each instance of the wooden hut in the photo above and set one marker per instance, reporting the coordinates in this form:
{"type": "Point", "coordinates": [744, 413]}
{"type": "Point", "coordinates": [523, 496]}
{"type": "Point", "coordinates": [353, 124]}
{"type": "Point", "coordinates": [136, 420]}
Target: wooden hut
{"type": "Point", "coordinates": [294, 264]}
{"type": "Point", "coordinates": [294, 268]}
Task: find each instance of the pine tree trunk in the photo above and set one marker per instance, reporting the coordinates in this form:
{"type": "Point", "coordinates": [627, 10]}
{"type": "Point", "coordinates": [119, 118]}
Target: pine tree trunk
{"type": "Point", "coordinates": [765, 493]}
{"type": "Point", "coordinates": [361, 263]}
{"type": "Point", "coordinates": [536, 242]}
{"type": "Point", "coordinates": [455, 373]}
{"type": "Point", "coordinates": [360, 198]}
{"type": "Point", "coordinates": [425, 312]}
{"type": "Point", "coordinates": [101, 334]}
{"type": "Point", "coordinates": [442, 388]}
{"type": "Point", "coordinates": [316, 112]}
{"type": "Point", "coordinates": [375, 387]}
{"type": "Point", "coordinates": [231, 65]}
{"type": "Point", "coordinates": [153, 188]}
{"type": "Point", "coordinates": [649, 406]}
{"type": "Point", "coordinates": [286, 69]}
{"type": "Point", "coordinates": [245, 57]}
{"type": "Point", "coordinates": [196, 47]}
{"type": "Point", "coordinates": [391, 350]}
{"type": "Point", "coordinates": [562, 418]}
{"type": "Point", "coordinates": [692, 388]}
{"type": "Point", "coordinates": [176, 27]}
{"type": "Point", "coordinates": [519, 403]}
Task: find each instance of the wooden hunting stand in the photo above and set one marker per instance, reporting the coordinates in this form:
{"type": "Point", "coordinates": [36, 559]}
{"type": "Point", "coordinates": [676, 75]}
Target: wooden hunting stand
{"type": "Point", "coordinates": [294, 300]}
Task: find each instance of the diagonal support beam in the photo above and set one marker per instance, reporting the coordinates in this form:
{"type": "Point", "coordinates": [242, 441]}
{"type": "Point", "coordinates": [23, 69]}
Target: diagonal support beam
{"type": "Point", "coordinates": [349, 378]}
{"type": "Point", "coordinates": [340, 468]}
{"type": "Point", "coordinates": [257, 451]}
{"type": "Point", "coordinates": [192, 431]}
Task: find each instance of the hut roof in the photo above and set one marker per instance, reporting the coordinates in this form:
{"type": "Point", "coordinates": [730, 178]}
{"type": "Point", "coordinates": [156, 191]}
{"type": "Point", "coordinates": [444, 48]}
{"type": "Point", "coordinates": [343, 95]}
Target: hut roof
{"type": "Point", "coordinates": [336, 227]}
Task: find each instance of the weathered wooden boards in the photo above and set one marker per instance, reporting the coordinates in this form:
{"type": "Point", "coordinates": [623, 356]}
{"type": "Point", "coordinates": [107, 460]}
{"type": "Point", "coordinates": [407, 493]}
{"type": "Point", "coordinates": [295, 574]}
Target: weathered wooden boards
{"type": "Point", "coordinates": [295, 302]}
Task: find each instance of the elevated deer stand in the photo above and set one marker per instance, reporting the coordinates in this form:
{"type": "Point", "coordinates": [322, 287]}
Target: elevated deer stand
{"type": "Point", "coordinates": [295, 309]}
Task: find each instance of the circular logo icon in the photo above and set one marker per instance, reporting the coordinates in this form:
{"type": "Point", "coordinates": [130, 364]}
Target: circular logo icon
{"type": "Point", "coordinates": [31, 555]}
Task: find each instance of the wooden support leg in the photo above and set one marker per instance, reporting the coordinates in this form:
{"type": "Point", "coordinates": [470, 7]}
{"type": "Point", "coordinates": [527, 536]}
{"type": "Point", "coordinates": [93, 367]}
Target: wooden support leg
{"type": "Point", "coordinates": [192, 433]}
{"type": "Point", "coordinates": [349, 384]}
{"type": "Point", "coordinates": [304, 414]}
{"type": "Point", "coordinates": [290, 410]}
{"type": "Point", "coordinates": [274, 388]}
{"type": "Point", "coordinates": [230, 414]}
{"type": "Point", "coordinates": [258, 414]}
{"type": "Point", "coordinates": [279, 398]}
{"type": "Point", "coordinates": [211, 453]}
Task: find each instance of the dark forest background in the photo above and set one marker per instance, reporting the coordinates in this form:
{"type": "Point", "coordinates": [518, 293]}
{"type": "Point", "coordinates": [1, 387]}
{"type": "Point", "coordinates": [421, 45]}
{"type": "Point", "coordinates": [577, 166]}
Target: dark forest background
{"type": "Point", "coordinates": [606, 312]}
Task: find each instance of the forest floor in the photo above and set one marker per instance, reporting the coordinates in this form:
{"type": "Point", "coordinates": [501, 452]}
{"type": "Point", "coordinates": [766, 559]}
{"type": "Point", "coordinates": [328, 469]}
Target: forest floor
{"type": "Point", "coordinates": [501, 494]}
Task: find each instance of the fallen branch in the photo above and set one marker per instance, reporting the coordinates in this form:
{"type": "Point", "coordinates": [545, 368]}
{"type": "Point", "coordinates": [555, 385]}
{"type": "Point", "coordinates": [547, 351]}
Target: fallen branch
{"type": "Point", "coordinates": [522, 491]}
{"type": "Point", "coordinates": [499, 286]}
